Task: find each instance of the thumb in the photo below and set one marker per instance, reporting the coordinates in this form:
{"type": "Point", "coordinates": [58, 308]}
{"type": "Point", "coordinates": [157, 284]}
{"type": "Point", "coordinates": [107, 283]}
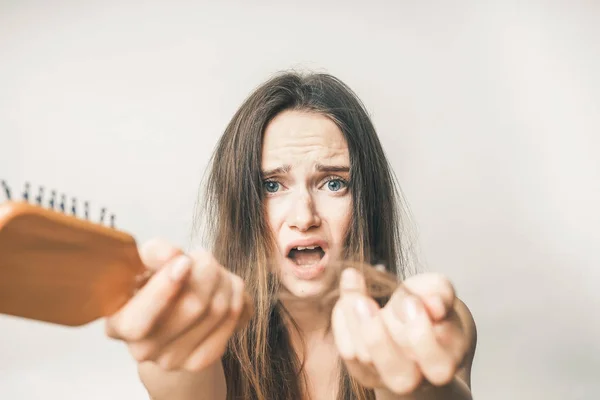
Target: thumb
{"type": "Point", "coordinates": [352, 281]}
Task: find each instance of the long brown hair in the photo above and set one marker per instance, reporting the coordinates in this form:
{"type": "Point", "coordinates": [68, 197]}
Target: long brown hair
{"type": "Point", "coordinates": [260, 362]}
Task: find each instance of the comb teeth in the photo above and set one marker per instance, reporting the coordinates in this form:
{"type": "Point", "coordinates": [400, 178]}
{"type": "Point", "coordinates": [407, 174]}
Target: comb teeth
{"type": "Point", "coordinates": [6, 190]}
{"type": "Point", "coordinates": [54, 205]}
{"type": "Point", "coordinates": [52, 199]}
{"type": "Point", "coordinates": [40, 196]}
{"type": "Point", "coordinates": [26, 192]}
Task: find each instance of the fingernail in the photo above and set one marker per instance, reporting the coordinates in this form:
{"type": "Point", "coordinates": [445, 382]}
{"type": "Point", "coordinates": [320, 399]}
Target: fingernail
{"type": "Point", "coordinates": [411, 309]}
{"type": "Point", "coordinates": [364, 310]}
{"type": "Point", "coordinates": [380, 267]}
{"type": "Point", "coordinates": [179, 268]}
{"type": "Point", "coordinates": [437, 306]}
{"type": "Point", "coordinates": [349, 279]}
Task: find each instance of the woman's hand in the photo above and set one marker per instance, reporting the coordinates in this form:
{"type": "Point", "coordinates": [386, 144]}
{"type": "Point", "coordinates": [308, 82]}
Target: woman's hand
{"type": "Point", "coordinates": [183, 317]}
{"type": "Point", "coordinates": [417, 338]}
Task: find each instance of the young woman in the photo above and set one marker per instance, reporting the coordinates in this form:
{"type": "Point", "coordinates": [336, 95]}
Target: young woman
{"type": "Point", "coordinates": [298, 180]}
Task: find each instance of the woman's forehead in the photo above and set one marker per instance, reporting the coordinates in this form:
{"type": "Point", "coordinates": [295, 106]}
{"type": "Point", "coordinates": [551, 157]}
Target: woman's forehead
{"type": "Point", "coordinates": [297, 137]}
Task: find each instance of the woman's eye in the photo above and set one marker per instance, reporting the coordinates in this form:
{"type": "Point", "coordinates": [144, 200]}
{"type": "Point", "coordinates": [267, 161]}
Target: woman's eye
{"type": "Point", "coordinates": [271, 186]}
{"type": "Point", "coordinates": [336, 185]}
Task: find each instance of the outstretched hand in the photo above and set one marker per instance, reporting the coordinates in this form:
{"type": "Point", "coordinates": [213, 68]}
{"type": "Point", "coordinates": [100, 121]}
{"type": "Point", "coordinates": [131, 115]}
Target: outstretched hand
{"type": "Point", "coordinates": [185, 314]}
{"type": "Point", "coordinates": [417, 338]}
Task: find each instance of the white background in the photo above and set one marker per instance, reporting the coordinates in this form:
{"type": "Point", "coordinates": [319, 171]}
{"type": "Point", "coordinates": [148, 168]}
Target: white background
{"type": "Point", "coordinates": [489, 112]}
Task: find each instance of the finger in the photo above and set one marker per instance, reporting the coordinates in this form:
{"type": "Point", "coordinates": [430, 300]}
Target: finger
{"type": "Point", "coordinates": [397, 329]}
{"type": "Point", "coordinates": [436, 364]}
{"type": "Point", "coordinates": [435, 291]}
{"type": "Point", "coordinates": [137, 318]}
{"type": "Point", "coordinates": [353, 287]}
{"type": "Point", "coordinates": [352, 281]}
{"type": "Point", "coordinates": [175, 352]}
{"type": "Point", "coordinates": [212, 293]}
{"type": "Point", "coordinates": [451, 336]}
{"type": "Point", "coordinates": [193, 308]}
{"type": "Point", "coordinates": [214, 346]}
{"type": "Point", "coordinates": [448, 333]}
{"type": "Point", "coordinates": [205, 276]}
{"type": "Point", "coordinates": [399, 373]}
{"type": "Point", "coordinates": [205, 279]}
{"type": "Point", "coordinates": [341, 334]}
{"type": "Point", "coordinates": [238, 296]}
{"type": "Point", "coordinates": [155, 253]}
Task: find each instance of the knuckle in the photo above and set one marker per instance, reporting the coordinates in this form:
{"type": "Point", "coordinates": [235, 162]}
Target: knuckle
{"type": "Point", "coordinates": [238, 282]}
{"type": "Point", "coordinates": [166, 362]}
{"type": "Point", "coordinates": [134, 334]}
{"type": "Point", "coordinates": [236, 309]}
{"type": "Point", "coordinates": [447, 289]}
{"type": "Point", "coordinates": [142, 351]}
{"type": "Point", "coordinates": [215, 272]}
{"type": "Point", "coordinates": [158, 250]}
{"type": "Point", "coordinates": [364, 357]}
{"type": "Point", "coordinates": [203, 258]}
{"type": "Point", "coordinates": [219, 306]}
{"type": "Point", "coordinates": [405, 383]}
{"type": "Point", "coordinates": [194, 366]}
{"type": "Point", "coordinates": [375, 338]}
{"type": "Point", "coordinates": [209, 268]}
{"type": "Point", "coordinates": [444, 333]}
{"type": "Point", "coordinates": [198, 362]}
{"type": "Point", "coordinates": [197, 365]}
{"type": "Point", "coordinates": [110, 330]}
{"type": "Point", "coordinates": [192, 307]}
{"type": "Point", "coordinates": [442, 372]}
{"type": "Point", "coordinates": [443, 284]}
{"type": "Point", "coordinates": [127, 331]}
{"type": "Point", "coordinates": [235, 312]}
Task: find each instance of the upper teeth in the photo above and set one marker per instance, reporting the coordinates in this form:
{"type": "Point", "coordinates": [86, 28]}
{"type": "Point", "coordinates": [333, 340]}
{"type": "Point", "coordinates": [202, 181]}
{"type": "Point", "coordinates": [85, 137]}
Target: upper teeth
{"type": "Point", "coordinates": [306, 248]}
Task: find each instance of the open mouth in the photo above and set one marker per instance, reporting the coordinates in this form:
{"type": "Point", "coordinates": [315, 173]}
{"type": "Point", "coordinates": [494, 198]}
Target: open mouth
{"type": "Point", "coordinates": [308, 255]}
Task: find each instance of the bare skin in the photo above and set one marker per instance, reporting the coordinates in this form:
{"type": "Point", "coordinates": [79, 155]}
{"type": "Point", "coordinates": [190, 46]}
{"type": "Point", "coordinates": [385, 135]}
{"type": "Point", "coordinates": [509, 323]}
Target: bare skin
{"type": "Point", "coordinates": [419, 346]}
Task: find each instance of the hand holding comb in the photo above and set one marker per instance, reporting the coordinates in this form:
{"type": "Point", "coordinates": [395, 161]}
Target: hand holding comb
{"type": "Point", "coordinates": [56, 267]}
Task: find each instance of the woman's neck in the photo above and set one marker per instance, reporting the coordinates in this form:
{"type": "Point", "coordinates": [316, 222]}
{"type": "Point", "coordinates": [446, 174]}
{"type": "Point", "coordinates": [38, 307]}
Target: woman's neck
{"type": "Point", "coordinates": [311, 339]}
{"type": "Point", "coordinates": [310, 322]}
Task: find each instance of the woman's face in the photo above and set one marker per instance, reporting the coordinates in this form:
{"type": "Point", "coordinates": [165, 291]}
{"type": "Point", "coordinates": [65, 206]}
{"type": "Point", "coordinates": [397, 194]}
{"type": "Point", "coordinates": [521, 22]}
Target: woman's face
{"type": "Point", "coordinates": [305, 166]}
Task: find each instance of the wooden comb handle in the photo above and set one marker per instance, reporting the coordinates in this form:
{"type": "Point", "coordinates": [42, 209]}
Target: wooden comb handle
{"type": "Point", "coordinates": [60, 269]}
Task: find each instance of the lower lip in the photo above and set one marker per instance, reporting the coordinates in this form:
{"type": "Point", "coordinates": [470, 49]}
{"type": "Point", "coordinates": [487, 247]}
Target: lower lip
{"type": "Point", "coordinates": [309, 272]}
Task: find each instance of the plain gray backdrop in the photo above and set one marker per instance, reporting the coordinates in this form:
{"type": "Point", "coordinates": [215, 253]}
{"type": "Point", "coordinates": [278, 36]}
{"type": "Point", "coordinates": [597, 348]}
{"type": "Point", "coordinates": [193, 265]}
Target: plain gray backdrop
{"type": "Point", "coordinates": [488, 110]}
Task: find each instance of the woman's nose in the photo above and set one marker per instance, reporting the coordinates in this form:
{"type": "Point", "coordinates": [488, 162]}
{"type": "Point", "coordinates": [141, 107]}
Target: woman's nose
{"type": "Point", "coordinates": [303, 214]}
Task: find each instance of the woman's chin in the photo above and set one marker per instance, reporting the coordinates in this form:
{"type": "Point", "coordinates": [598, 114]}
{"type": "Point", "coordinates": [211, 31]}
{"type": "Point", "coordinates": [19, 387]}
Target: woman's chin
{"type": "Point", "coordinates": [304, 281]}
{"type": "Point", "coordinates": [302, 288]}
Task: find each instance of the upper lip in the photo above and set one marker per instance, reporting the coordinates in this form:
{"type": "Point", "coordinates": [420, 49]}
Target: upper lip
{"type": "Point", "coordinates": [306, 242]}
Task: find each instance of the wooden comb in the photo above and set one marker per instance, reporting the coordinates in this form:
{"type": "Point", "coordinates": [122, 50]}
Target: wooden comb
{"type": "Point", "coordinates": [61, 269]}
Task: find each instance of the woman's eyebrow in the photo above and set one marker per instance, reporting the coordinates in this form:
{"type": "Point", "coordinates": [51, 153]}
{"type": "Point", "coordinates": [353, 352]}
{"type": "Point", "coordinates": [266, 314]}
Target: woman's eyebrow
{"type": "Point", "coordinates": [284, 169]}
{"type": "Point", "coordinates": [332, 168]}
